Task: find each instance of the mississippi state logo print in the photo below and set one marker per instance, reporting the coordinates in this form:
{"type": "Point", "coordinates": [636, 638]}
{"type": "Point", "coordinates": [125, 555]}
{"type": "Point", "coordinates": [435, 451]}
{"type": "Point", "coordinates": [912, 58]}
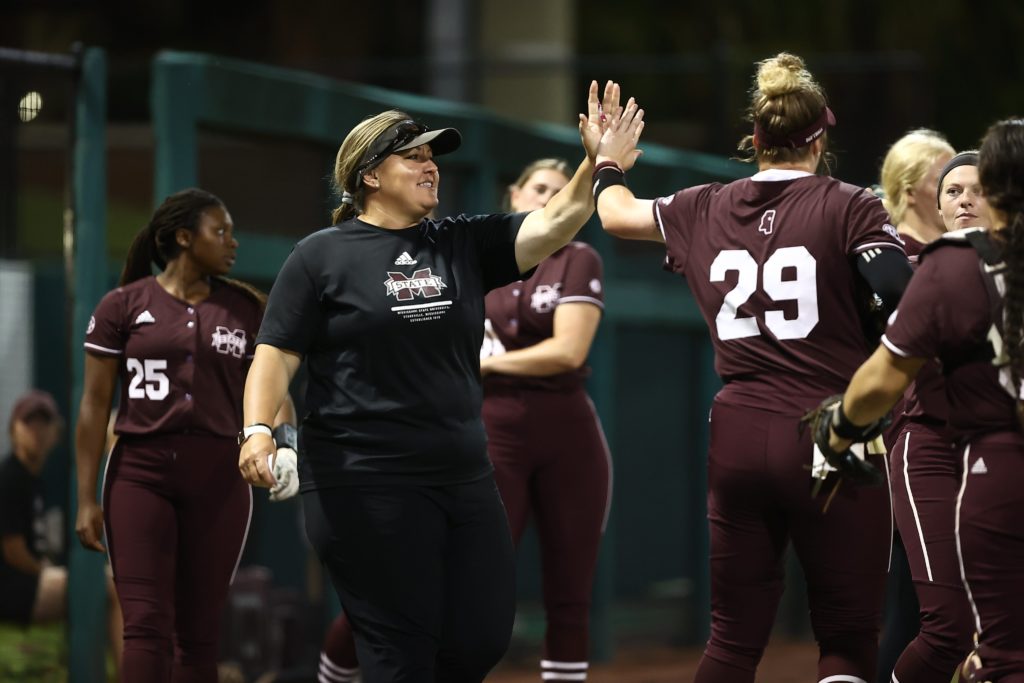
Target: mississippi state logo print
{"type": "Point", "coordinates": [408, 290]}
{"type": "Point", "coordinates": [229, 342]}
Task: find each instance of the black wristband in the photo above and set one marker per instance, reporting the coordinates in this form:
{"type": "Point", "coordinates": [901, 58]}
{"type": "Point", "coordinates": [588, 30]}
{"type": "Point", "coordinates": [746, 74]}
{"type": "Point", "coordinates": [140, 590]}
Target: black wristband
{"type": "Point", "coordinates": [286, 436]}
{"type": "Point", "coordinates": [607, 175]}
{"type": "Point", "coordinates": [845, 429]}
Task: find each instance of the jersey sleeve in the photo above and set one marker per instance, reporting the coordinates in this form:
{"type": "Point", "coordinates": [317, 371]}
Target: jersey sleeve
{"type": "Point", "coordinates": [676, 216]}
{"type": "Point", "coordinates": [107, 331]}
{"type": "Point", "coordinates": [868, 226]}
{"type": "Point", "coordinates": [494, 239]}
{"type": "Point", "coordinates": [922, 323]}
{"type": "Point", "coordinates": [584, 277]}
{"type": "Point", "coordinates": [293, 316]}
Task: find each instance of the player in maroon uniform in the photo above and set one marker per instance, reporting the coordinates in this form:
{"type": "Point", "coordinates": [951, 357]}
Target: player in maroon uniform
{"type": "Point", "coordinates": [550, 457]}
{"type": "Point", "coordinates": [775, 263]}
{"type": "Point", "coordinates": [386, 307]}
{"type": "Point", "coordinates": [175, 509]}
{"type": "Point", "coordinates": [925, 474]}
{"type": "Point", "coordinates": [963, 307]}
{"type": "Point", "coordinates": [908, 188]}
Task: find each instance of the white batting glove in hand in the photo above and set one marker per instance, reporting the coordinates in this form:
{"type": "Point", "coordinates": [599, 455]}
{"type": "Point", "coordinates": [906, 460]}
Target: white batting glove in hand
{"type": "Point", "coordinates": [286, 472]}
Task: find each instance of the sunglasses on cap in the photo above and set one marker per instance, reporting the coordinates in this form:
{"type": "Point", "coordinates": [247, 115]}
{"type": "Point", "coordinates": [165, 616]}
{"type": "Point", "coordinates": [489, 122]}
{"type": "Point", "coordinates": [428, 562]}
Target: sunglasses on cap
{"type": "Point", "coordinates": [388, 142]}
{"type": "Point", "coordinates": [406, 135]}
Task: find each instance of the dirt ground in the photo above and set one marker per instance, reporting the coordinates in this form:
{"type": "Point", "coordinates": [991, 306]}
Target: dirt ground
{"type": "Point", "coordinates": [784, 662]}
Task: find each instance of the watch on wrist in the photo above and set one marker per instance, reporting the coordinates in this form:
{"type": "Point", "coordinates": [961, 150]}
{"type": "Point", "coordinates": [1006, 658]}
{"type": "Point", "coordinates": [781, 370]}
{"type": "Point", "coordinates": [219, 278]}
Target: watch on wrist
{"type": "Point", "coordinates": [256, 428]}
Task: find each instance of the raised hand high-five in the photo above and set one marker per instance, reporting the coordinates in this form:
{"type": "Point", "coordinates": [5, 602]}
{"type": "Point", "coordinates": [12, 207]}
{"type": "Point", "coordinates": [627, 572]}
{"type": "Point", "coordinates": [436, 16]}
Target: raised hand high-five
{"type": "Point", "coordinates": [600, 114]}
{"type": "Point", "coordinates": [619, 141]}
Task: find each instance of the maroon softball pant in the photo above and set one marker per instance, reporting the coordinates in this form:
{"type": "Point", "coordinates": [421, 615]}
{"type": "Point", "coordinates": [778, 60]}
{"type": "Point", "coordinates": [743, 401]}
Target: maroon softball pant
{"type": "Point", "coordinates": [551, 462]}
{"type": "Point", "coordinates": [177, 513]}
{"type": "Point", "coordinates": [925, 475]}
{"type": "Point", "coordinates": [760, 500]}
{"type": "Point", "coordinates": [990, 539]}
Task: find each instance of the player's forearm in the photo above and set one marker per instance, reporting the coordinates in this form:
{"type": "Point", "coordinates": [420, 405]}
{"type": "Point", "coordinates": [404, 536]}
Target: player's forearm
{"type": "Point", "coordinates": [266, 385]}
{"type": "Point", "coordinates": [877, 385]}
{"type": "Point", "coordinates": [552, 356]}
{"type": "Point", "coordinates": [547, 230]}
{"type": "Point", "coordinates": [90, 440]}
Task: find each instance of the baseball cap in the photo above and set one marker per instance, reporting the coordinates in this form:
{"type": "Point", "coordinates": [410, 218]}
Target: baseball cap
{"type": "Point", "coordinates": [35, 404]}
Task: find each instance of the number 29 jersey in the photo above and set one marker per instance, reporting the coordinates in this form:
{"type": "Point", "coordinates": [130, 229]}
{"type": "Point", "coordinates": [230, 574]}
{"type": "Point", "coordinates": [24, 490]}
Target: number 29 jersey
{"type": "Point", "coordinates": [771, 263]}
{"type": "Point", "coordinates": [182, 365]}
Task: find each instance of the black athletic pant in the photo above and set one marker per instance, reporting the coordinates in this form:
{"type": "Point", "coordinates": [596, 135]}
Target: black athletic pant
{"type": "Point", "coordinates": [425, 574]}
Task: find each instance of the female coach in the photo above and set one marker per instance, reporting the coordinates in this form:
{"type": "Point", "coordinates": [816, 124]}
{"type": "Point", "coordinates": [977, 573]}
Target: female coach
{"type": "Point", "coordinates": [776, 263]}
{"type": "Point", "coordinates": [175, 508]}
{"type": "Point", "coordinates": [387, 308]}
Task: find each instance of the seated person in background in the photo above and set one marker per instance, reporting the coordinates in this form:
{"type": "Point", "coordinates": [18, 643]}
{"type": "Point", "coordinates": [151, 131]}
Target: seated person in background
{"type": "Point", "coordinates": [32, 590]}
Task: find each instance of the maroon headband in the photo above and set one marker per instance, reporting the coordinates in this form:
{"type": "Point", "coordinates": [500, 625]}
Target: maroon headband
{"type": "Point", "coordinates": [800, 138]}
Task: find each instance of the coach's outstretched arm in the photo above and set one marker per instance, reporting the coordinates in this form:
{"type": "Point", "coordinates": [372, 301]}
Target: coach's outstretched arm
{"type": "Point", "coordinates": [266, 388]}
{"type": "Point", "coordinates": [547, 230]}
{"type": "Point", "coordinates": [622, 214]}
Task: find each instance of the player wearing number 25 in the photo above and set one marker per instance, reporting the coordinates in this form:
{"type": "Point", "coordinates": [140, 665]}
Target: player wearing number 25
{"type": "Point", "coordinates": [175, 509]}
{"type": "Point", "coordinates": [775, 262]}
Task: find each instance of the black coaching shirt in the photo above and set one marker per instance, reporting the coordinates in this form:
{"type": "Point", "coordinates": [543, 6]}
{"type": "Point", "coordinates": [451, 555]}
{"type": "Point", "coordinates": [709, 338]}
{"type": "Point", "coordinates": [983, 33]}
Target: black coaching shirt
{"type": "Point", "coordinates": [390, 324]}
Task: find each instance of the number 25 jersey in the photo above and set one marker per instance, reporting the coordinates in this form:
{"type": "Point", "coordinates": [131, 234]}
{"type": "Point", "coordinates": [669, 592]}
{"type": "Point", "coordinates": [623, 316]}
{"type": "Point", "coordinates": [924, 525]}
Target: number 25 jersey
{"type": "Point", "coordinates": [771, 263]}
{"type": "Point", "coordinates": [182, 365]}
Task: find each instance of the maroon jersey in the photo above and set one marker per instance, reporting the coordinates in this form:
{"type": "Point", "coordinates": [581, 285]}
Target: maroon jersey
{"type": "Point", "coordinates": [183, 365]}
{"type": "Point", "coordinates": [770, 262]}
{"type": "Point", "coordinates": [925, 399]}
{"type": "Point", "coordinates": [522, 314]}
{"type": "Point", "coordinates": [945, 314]}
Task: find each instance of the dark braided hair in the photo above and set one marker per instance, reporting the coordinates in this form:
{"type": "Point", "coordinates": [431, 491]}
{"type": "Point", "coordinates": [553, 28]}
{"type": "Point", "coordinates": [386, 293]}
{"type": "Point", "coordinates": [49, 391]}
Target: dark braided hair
{"type": "Point", "coordinates": [156, 243]}
{"type": "Point", "coordinates": [1001, 171]}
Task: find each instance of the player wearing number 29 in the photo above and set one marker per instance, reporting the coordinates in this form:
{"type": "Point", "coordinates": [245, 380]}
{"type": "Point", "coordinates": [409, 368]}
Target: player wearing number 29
{"type": "Point", "coordinates": [775, 262]}
{"type": "Point", "coordinates": [175, 508]}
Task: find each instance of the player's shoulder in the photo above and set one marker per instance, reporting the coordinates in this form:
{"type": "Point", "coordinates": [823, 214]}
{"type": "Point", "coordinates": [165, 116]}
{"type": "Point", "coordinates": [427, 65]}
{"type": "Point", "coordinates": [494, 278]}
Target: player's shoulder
{"type": "Point", "coordinates": [964, 244]}
{"type": "Point", "coordinates": [127, 294]}
{"type": "Point", "coordinates": [695, 193]}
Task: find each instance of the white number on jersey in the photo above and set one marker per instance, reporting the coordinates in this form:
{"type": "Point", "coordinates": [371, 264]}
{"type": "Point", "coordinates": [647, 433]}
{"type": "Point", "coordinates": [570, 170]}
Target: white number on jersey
{"type": "Point", "coordinates": [156, 386]}
{"type": "Point", "coordinates": [492, 346]}
{"type": "Point", "coordinates": [803, 289]}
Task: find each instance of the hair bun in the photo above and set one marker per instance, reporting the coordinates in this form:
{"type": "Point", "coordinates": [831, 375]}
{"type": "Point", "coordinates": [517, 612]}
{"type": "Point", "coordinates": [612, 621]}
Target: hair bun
{"type": "Point", "coordinates": [782, 74]}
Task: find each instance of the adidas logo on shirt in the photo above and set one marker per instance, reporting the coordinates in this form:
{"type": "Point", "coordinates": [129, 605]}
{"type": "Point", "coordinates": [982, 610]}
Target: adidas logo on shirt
{"type": "Point", "coordinates": [145, 317]}
{"type": "Point", "coordinates": [405, 260]}
{"type": "Point", "coordinates": [979, 467]}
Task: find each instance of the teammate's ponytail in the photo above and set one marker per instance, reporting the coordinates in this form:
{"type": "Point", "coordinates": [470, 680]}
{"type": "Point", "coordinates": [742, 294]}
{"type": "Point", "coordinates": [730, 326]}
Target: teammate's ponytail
{"type": "Point", "coordinates": [1001, 171]}
{"type": "Point", "coordinates": [138, 263]}
{"type": "Point", "coordinates": [157, 242]}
